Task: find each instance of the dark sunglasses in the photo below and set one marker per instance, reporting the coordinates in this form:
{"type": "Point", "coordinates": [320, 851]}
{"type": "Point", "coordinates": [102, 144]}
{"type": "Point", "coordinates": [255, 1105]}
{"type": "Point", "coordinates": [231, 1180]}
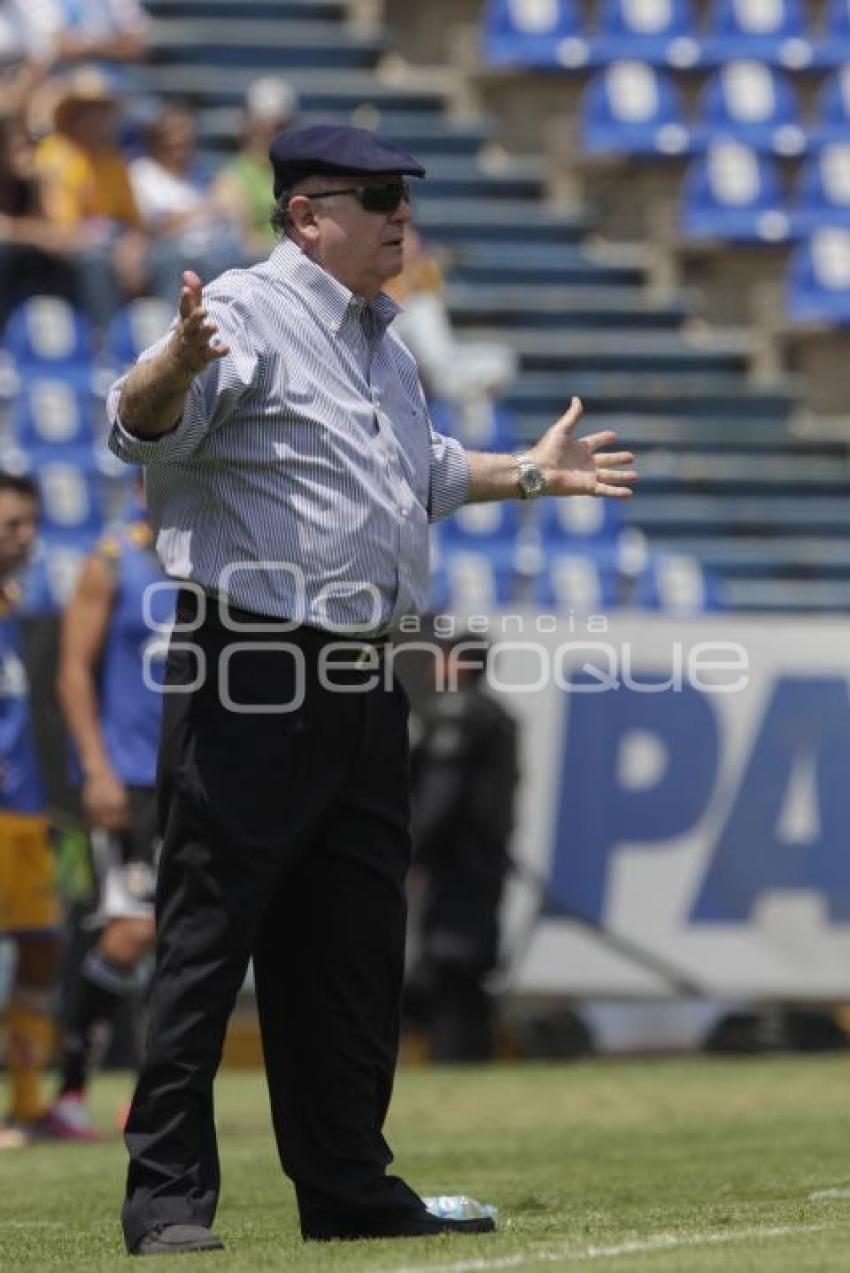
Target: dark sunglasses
{"type": "Point", "coordinates": [373, 198]}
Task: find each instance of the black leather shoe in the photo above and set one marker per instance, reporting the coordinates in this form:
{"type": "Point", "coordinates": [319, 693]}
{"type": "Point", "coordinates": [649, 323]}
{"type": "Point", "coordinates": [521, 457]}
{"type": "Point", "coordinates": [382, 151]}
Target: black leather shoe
{"type": "Point", "coordinates": [178, 1239]}
{"type": "Point", "coordinates": [415, 1225]}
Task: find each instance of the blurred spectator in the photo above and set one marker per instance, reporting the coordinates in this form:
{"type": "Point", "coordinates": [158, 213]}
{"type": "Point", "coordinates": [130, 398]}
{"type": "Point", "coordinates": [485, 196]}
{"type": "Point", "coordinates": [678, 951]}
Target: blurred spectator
{"type": "Point", "coordinates": [241, 191]}
{"type": "Point", "coordinates": [30, 246]}
{"type": "Point", "coordinates": [103, 30]}
{"type": "Point", "coordinates": [29, 907]}
{"type": "Point", "coordinates": [87, 189]}
{"type": "Point", "coordinates": [464, 776]}
{"type": "Point", "coordinates": [173, 199]}
{"type": "Point", "coordinates": [462, 371]}
{"type": "Point", "coordinates": [29, 33]}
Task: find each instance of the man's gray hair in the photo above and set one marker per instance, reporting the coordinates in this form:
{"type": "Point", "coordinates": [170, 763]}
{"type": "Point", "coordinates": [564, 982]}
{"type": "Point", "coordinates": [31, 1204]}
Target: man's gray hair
{"type": "Point", "coordinates": [281, 218]}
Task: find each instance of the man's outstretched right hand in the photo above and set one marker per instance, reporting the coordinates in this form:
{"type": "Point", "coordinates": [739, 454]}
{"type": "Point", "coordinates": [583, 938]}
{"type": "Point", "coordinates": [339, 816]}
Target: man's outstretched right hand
{"type": "Point", "coordinates": [193, 347]}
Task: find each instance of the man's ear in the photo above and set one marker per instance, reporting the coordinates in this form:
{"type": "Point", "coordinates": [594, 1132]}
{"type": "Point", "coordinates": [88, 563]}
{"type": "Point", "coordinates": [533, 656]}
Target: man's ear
{"type": "Point", "coordinates": [303, 215]}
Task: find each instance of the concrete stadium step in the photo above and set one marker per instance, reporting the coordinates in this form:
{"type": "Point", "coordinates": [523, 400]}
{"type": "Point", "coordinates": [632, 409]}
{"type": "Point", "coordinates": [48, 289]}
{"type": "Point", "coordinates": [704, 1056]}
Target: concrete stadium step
{"type": "Point", "coordinates": [329, 11]}
{"type": "Point", "coordinates": [730, 435]}
{"type": "Point", "coordinates": [732, 515]}
{"type": "Point", "coordinates": [828, 476]}
{"type": "Point", "coordinates": [456, 177]}
{"type": "Point", "coordinates": [781, 596]}
{"type": "Point", "coordinates": [422, 133]}
{"type": "Point", "coordinates": [271, 45]}
{"type": "Point", "coordinates": [506, 222]}
{"type": "Point", "coordinates": [535, 265]}
{"type": "Point", "coordinates": [746, 556]}
{"type": "Point", "coordinates": [685, 395]}
{"type": "Point", "coordinates": [319, 89]}
{"type": "Point", "coordinates": [619, 350]}
{"type": "Point", "coordinates": [553, 305]}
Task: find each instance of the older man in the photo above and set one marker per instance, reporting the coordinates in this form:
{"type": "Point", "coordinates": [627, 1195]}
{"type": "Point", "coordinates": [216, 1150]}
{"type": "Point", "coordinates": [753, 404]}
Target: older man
{"type": "Point", "coordinates": [291, 473]}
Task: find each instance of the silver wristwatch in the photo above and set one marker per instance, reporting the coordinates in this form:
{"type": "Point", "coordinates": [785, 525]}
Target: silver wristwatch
{"type": "Point", "coordinates": [530, 479]}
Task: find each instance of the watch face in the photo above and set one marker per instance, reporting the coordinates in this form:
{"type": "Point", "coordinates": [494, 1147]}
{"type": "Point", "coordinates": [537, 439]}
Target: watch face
{"type": "Point", "coordinates": [532, 480]}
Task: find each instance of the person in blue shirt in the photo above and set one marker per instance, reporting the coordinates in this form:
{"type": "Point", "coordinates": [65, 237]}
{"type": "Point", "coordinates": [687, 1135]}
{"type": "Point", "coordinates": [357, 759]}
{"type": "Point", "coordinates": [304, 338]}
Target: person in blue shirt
{"type": "Point", "coordinates": [29, 907]}
{"type": "Point", "coordinates": [109, 669]}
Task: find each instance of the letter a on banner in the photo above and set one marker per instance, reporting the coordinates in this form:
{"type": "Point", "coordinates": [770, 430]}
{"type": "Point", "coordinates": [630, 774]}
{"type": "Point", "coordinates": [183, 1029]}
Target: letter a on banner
{"type": "Point", "coordinates": [807, 722]}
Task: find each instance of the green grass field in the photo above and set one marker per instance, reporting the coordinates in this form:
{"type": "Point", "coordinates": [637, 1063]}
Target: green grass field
{"type": "Point", "coordinates": [653, 1165]}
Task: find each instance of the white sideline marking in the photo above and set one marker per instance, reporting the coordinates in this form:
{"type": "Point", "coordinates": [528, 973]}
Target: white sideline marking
{"type": "Point", "coordinates": [824, 1195]}
{"type": "Point", "coordinates": [634, 1246]}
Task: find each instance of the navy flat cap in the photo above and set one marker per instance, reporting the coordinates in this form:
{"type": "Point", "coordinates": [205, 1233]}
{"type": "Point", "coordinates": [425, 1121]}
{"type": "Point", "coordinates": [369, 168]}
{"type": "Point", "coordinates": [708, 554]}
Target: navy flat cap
{"type": "Point", "coordinates": [332, 148]}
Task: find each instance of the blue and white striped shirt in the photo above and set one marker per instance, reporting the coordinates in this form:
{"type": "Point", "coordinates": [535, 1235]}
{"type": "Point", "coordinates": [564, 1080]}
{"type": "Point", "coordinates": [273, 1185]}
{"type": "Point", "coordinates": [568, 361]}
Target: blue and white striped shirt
{"type": "Point", "coordinates": [304, 470]}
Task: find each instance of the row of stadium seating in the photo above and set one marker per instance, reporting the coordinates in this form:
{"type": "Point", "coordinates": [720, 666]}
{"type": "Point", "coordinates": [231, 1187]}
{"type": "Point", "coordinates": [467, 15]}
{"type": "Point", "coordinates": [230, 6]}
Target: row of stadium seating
{"type": "Point", "coordinates": [552, 33]}
{"type": "Point", "coordinates": [582, 582]}
{"type": "Point", "coordinates": [47, 334]}
{"type": "Point", "coordinates": [469, 580]}
{"type": "Point", "coordinates": [634, 107]}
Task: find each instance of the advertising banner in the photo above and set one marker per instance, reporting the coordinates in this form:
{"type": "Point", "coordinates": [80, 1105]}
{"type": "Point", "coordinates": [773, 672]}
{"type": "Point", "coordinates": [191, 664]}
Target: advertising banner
{"type": "Point", "coordinates": [686, 788]}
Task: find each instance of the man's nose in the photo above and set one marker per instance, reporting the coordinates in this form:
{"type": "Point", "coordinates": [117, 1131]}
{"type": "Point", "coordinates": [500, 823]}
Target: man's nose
{"type": "Point", "coordinates": [403, 213]}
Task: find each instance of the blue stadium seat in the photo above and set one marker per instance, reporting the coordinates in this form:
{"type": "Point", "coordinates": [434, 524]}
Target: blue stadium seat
{"type": "Point", "coordinates": [733, 193]}
{"type": "Point", "coordinates": [833, 122]}
{"type": "Point", "coordinates": [48, 580]}
{"type": "Point", "coordinates": [534, 33]}
{"type": "Point", "coordinates": [470, 580]}
{"type": "Point", "coordinates": [49, 333]}
{"type": "Point", "coordinates": [585, 582]}
{"type": "Point", "coordinates": [678, 584]}
{"type": "Point", "coordinates": [768, 30]}
{"type": "Point", "coordinates": [631, 108]}
{"type": "Point", "coordinates": [491, 524]}
{"type": "Point", "coordinates": [755, 104]}
{"type": "Point", "coordinates": [823, 189]}
{"type": "Point", "coordinates": [54, 412]}
{"type": "Point", "coordinates": [134, 328]}
{"type": "Point", "coordinates": [579, 521]}
{"type": "Point", "coordinates": [480, 425]}
{"type": "Point", "coordinates": [71, 498]}
{"type": "Point", "coordinates": [662, 32]}
{"type": "Point", "coordinates": [818, 287]}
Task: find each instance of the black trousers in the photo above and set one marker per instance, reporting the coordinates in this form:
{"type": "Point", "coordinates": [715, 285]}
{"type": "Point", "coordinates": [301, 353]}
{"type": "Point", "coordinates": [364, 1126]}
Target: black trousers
{"type": "Point", "coordinates": [286, 841]}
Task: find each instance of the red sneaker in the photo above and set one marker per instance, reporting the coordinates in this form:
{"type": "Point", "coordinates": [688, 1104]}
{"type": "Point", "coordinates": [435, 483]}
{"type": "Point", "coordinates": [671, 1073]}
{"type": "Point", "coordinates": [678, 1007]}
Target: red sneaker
{"type": "Point", "coordinates": [68, 1119]}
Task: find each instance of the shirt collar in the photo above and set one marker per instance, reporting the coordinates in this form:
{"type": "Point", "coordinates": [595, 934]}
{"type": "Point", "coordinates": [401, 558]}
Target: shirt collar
{"type": "Point", "coordinates": [332, 300]}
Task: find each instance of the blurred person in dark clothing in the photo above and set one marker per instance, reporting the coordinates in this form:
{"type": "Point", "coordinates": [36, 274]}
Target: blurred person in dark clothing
{"type": "Point", "coordinates": [31, 247]}
{"type": "Point", "coordinates": [464, 772]}
{"type": "Point", "coordinates": [30, 914]}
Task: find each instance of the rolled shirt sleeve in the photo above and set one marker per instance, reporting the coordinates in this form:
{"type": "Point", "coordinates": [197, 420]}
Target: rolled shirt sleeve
{"type": "Point", "coordinates": [449, 487]}
{"type": "Point", "coordinates": [211, 398]}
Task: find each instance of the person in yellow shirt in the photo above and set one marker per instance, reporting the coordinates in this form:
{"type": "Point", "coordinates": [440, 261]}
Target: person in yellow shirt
{"type": "Point", "coordinates": [87, 192]}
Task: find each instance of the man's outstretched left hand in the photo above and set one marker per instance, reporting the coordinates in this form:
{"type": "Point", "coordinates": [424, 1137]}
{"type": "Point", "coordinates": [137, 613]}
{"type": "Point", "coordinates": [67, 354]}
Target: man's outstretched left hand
{"type": "Point", "coordinates": [579, 466]}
